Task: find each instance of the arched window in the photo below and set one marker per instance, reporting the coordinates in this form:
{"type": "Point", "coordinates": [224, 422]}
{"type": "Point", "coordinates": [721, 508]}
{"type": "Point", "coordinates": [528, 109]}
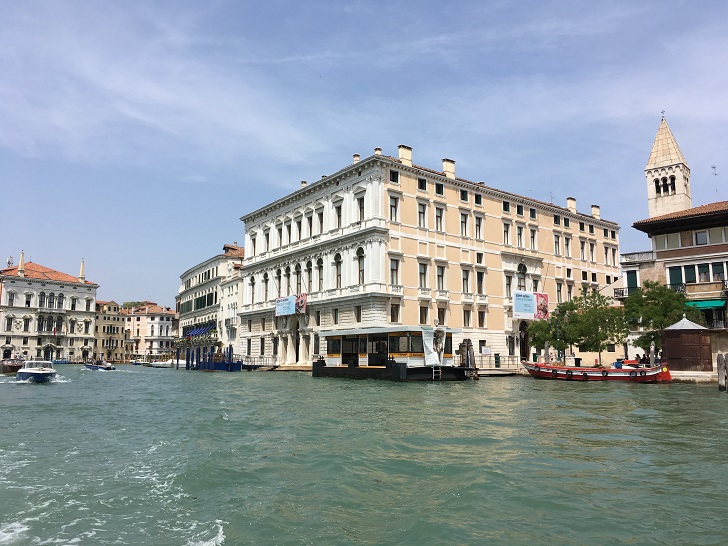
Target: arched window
{"type": "Point", "coordinates": [665, 188]}
{"type": "Point", "coordinates": [521, 277]}
{"type": "Point", "coordinates": [672, 184]}
{"type": "Point", "coordinates": [41, 299]}
{"type": "Point", "coordinates": [51, 300]}
{"type": "Point", "coordinates": [41, 323]}
{"type": "Point", "coordinates": [59, 324]}
{"type": "Point", "coordinates": [657, 186]}
{"type": "Point", "coordinates": [298, 279]}
{"type": "Point", "coordinates": [337, 270]}
{"type": "Point", "coordinates": [60, 301]}
{"type": "Point", "coordinates": [360, 264]}
{"type": "Point", "coordinates": [320, 269]}
{"type": "Point", "coordinates": [309, 276]}
{"type": "Point", "coordinates": [288, 281]}
{"type": "Point", "coordinates": [279, 281]}
{"type": "Point", "coordinates": [265, 287]}
{"type": "Point", "coordinates": [252, 289]}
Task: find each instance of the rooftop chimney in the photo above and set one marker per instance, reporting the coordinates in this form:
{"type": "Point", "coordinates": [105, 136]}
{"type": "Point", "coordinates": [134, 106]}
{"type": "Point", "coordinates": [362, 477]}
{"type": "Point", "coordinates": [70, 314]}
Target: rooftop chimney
{"type": "Point", "coordinates": [571, 204]}
{"type": "Point", "coordinates": [377, 151]}
{"type": "Point", "coordinates": [356, 158]}
{"type": "Point", "coordinates": [303, 183]}
{"type": "Point", "coordinates": [448, 168]}
{"type": "Point", "coordinates": [405, 155]}
{"type": "Point", "coordinates": [595, 212]}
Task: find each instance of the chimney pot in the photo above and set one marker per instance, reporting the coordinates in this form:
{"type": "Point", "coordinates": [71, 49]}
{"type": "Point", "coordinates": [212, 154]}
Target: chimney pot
{"type": "Point", "coordinates": [356, 158]}
{"type": "Point", "coordinates": [303, 183]}
{"type": "Point", "coordinates": [448, 168]}
{"type": "Point", "coordinates": [596, 212]}
{"type": "Point", "coordinates": [405, 155]}
{"type": "Point", "coordinates": [571, 204]}
{"type": "Point", "coordinates": [377, 151]}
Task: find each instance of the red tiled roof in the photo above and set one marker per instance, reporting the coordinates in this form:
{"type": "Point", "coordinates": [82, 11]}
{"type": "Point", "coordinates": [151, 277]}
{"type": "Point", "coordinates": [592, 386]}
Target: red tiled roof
{"type": "Point", "coordinates": [148, 308]}
{"type": "Point", "coordinates": [710, 208]}
{"type": "Point", "coordinates": [37, 271]}
{"type": "Point", "coordinates": [234, 251]}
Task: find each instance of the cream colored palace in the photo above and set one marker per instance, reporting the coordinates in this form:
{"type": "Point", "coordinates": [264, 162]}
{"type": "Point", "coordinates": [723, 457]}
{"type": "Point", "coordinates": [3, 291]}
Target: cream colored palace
{"type": "Point", "coordinates": [386, 243]}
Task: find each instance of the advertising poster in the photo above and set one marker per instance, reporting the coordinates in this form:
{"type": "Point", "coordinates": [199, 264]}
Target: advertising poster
{"type": "Point", "coordinates": [530, 305]}
{"type": "Point", "coordinates": [290, 305]}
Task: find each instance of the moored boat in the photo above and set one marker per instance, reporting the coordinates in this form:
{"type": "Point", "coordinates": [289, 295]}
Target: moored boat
{"type": "Point", "coordinates": [10, 366]}
{"type": "Point", "coordinates": [36, 371]}
{"type": "Point", "coordinates": [654, 374]}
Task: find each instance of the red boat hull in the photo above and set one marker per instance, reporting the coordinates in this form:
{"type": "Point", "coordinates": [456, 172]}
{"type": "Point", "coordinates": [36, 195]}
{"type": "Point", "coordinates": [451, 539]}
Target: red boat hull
{"type": "Point", "coordinates": [657, 374]}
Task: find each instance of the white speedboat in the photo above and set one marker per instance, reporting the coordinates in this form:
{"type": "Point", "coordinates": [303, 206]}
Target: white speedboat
{"type": "Point", "coordinates": [36, 371]}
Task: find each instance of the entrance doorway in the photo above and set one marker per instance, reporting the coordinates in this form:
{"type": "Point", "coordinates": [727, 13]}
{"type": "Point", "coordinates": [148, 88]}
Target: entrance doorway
{"type": "Point", "coordinates": [523, 337]}
{"type": "Point", "coordinates": [7, 353]}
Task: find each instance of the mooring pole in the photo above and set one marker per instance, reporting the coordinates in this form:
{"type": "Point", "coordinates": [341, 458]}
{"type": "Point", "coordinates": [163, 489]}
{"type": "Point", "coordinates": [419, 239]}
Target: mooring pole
{"type": "Point", "coordinates": [721, 372]}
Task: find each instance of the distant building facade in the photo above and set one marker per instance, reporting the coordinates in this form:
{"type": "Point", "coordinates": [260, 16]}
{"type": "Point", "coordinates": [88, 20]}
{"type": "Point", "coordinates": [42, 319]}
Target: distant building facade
{"type": "Point", "coordinates": [384, 242]}
{"type": "Point", "coordinates": [110, 332]}
{"type": "Point", "coordinates": [45, 313]}
{"type": "Point", "coordinates": [207, 303]}
{"type": "Point", "coordinates": [689, 245]}
{"type": "Point", "coordinates": [150, 331]}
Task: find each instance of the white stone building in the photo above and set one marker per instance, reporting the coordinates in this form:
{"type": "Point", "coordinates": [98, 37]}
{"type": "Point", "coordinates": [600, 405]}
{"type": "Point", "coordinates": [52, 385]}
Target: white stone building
{"type": "Point", "coordinates": [45, 313]}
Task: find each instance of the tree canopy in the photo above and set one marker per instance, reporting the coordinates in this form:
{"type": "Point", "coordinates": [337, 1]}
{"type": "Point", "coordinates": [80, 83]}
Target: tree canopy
{"type": "Point", "coordinates": [655, 307]}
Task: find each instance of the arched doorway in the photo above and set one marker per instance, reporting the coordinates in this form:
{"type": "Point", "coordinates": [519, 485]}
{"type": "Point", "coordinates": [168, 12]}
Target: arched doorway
{"type": "Point", "coordinates": [295, 338]}
{"type": "Point", "coordinates": [7, 353]}
{"type": "Point", "coordinates": [48, 352]}
{"type": "Point", "coordinates": [523, 339]}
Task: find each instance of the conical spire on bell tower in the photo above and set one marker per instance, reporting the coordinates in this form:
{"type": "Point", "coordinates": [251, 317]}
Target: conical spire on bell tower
{"type": "Point", "coordinates": [667, 175]}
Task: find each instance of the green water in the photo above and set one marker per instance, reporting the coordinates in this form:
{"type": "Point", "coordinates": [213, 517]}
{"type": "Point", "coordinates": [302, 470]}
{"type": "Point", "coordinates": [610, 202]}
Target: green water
{"type": "Point", "coordinates": [160, 456]}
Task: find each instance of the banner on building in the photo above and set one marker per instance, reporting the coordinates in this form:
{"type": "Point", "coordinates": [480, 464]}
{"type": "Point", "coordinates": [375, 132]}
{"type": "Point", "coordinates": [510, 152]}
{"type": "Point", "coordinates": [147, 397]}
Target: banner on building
{"type": "Point", "coordinates": [530, 305]}
{"type": "Point", "coordinates": [291, 305]}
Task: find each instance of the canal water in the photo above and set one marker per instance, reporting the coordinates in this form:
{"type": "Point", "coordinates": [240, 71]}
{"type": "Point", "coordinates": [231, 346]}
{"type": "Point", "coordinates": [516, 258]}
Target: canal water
{"type": "Point", "coordinates": [160, 456]}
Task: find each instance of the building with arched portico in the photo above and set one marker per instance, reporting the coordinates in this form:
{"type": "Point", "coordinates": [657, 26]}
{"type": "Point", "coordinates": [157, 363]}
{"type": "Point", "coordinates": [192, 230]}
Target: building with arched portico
{"type": "Point", "coordinates": [384, 242]}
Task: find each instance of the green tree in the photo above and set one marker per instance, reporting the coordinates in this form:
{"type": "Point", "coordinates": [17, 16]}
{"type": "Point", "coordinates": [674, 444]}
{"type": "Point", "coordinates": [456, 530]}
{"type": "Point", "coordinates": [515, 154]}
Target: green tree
{"type": "Point", "coordinates": [130, 304]}
{"type": "Point", "coordinates": [600, 323]}
{"type": "Point", "coordinates": [559, 330]}
{"type": "Point", "coordinates": [653, 308]}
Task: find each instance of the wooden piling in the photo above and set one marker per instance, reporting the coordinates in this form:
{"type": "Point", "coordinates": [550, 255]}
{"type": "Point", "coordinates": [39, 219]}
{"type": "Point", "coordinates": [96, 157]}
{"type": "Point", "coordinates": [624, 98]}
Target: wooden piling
{"type": "Point", "coordinates": [721, 372]}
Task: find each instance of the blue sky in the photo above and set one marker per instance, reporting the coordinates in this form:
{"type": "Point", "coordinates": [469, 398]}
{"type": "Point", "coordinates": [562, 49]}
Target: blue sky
{"type": "Point", "coordinates": [135, 134]}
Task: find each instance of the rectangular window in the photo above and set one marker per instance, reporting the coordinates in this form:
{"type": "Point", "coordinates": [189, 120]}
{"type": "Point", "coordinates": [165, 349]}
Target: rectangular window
{"type": "Point", "coordinates": [506, 234]}
{"type": "Point", "coordinates": [464, 225]}
{"type": "Point", "coordinates": [466, 281]}
{"type": "Point", "coordinates": [421, 215]}
{"type": "Point", "coordinates": [594, 277]}
{"type": "Point", "coordinates": [423, 275]}
{"type": "Point", "coordinates": [591, 252]}
{"type": "Point", "coordinates": [262, 346]}
{"type": "Point", "coordinates": [320, 221]}
{"type": "Point", "coordinates": [337, 213]}
{"type": "Point", "coordinates": [532, 214]}
{"type": "Point", "coordinates": [441, 277]}
{"type": "Point", "coordinates": [393, 209]}
{"type": "Point", "coordinates": [584, 276]}
{"type": "Point", "coordinates": [533, 239]}
{"type": "Point", "coordinates": [506, 206]}
{"type": "Point", "coordinates": [423, 314]}
{"type": "Point", "coordinates": [718, 271]}
{"type": "Point", "coordinates": [394, 313]}
{"type": "Point", "coordinates": [535, 285]}
{"type": "Point", "coordinates": [557, 245]}
{"type": "Point", "coordinates": [557, 220]}
{"type": "Point", "coordinates": [478, 199]}
{"type": "Point", "coordinates": [559, 286]}
{"type": "Point", "coordinates": [478, 227]}
{"type": "Point", "coordinates": [463, 195]}
{"type": "Point", "coordinates": [466, 318]}
{"type": "Point", "coordinates": [569, 292]}
{"type": "Point", "coordinates": [519, 210]}
{"type": "Point", "coordinates": [701, 237]}
{"type": "Point", "coordinates": [582, 249]}
{"type": "Point", "coordinates": [438, 218]}
{"type": "Point", "coordinates": [335, 316]}
{"type": "Point", "coordinates": [357, 313]}
{"type": "Point", "coordinates": [566, 222]}
{"type": "Point", "coordinates": [394, 177]}
{"type": "Point", "coordinates": [509, 282]}
{"type": "Point", "coordinates": [519, 236]}
{"type": "Point", "coordinates": [568, 272]}
{"type": "Point", "coordinates": [591, 229]}
{"type": "Point", "coordinates": [394, 272]}
{"type": "Point", "coordinates": [360, 206]}
{"type": "Point", "coordinates": [567, 247]}
{"type": "Point", "coordinates": [480, 280]}
{"type": "Point", "coordinates": [421, 184]}
{"type": "Point", "coordinates": [248, 346]}
{"type": "Point", "coordinates": [481, 319]}
{"type": "Point", "coordinates": [581, 226]}
{"type": "Point", "coordinates": [439, 188]}
{"type": "Point", "coordinates": [606, 233]}
{"type": "Point", "coordinates": [441, 315]}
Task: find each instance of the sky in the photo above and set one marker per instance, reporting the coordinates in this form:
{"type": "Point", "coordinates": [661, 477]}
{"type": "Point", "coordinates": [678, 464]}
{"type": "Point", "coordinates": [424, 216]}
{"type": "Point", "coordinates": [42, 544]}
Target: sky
{"type": "Point", "coordinates": [134, 135]}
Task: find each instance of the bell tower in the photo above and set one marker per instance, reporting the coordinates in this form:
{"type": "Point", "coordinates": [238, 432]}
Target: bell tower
{"type": "Point", "coordinates": [667, 174]}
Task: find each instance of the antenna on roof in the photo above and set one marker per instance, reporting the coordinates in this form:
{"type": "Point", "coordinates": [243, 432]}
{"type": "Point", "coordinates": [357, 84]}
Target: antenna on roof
{"type": "Point", "coordinates": [663, 114]}
{"type": "Point", "coordinates": [715, 173]}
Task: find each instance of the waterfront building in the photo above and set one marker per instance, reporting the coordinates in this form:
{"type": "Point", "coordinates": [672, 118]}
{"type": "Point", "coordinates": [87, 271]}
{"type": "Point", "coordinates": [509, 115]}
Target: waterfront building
{"type": "Point", "coordinates": [149, 331]}
{"type": "Point", "coordinates": [109, 332]}
{"type": "Point", "coordinates": [689, 245]}
{"type": "Point", "coordinates": [45, 313]}
{"type": "Point", "coordinates": [207, 303]}
{"type": "Point", "coordinates": [385, 242]}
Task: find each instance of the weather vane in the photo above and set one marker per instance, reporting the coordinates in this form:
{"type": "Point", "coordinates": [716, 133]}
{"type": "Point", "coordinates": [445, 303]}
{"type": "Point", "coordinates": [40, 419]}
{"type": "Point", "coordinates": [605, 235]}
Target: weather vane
{"type": "Point", "coordinates": [663, 114]}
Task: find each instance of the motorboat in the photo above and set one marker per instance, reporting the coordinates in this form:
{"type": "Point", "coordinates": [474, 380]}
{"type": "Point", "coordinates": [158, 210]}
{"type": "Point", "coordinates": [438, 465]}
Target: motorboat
{"type": "Point", "coordinates": [634, 374]}
{"type": "Point", "coordinates": [10, 366]}
{"type": "Point", "coordinates": [99, 365]}
{"type": "Point", "coordinates": [36, 371]}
